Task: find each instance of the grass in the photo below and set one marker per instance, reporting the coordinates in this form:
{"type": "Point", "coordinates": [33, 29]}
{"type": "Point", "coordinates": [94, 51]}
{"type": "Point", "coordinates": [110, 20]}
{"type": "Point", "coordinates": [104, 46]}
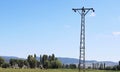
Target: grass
{"type": "Point", "coordinates": [49, 70]}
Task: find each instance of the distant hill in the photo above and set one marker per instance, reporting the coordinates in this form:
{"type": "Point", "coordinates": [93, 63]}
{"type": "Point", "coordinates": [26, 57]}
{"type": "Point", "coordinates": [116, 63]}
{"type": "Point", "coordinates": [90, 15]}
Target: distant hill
{"type": "Point", "coordinates": [7, 58]}
{"type": "Point", "coordinates": [88, 62]}
{"type": "Point", "coordinates": [73, 60]}
{"type": "Point", "coordinates": [66, 60]}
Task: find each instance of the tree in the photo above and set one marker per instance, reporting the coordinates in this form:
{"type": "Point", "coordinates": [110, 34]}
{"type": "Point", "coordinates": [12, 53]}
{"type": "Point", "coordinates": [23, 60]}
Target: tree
{"type": "Point", "coordinates": [40, 59]}
{"type": "Point", "coordinates": [35, 60]}
{"type": "Point", "coordinates": [104, 65]}
{"type": "Point", "coordinates": [63, 65]}
{"type": "Point", "coordinates": [12, 62]}
{"type": "Point", "coordinates": [53, 57]}
{"type": "Point", "coordinates": [50, 61]}
{"type": "Point", "coordinates": [5, 65]}
{"type": "Point", "coordinates": [93, 65]}
{"type": "Point", "coordinates": [53, 64]}
{"type": "Point", "coordinates": [114, 67]}
{"type": "Point", "coordinates": [119, 63]}
{"type": "Point", "coordinates": [66, 66]}
{"type": "Point", "coordinates": [20, 63]}
{"type": "Point", "coordinates": [32, 61]}
{"type": "Point", "coordinates": [72, 66]}
{"type": "Point", "coordinates": [35, 56]}
{"type": "Point", "coordinates": [38, 64]}
{"type": "Point", "coordinates": [118, 67]}
{"type": "Point", "coordinates": [47, 64]}
{"type": "Point", "coordinates": [50, 58]}
{"type": "Point", "coordinates": [44, 58]}
{"type": "Point", "coordinates": [101, 66]}
{"type": "Point", "coordinates": [1, 61]}
{"type": "Point", "coordinates": [26, 63]}
{"type": "Point", "coordinates": [108, 68]}
{"type": "Point", "coordinates": [97, 65]}
{"type": "Point", "coordinates": [56, 64]}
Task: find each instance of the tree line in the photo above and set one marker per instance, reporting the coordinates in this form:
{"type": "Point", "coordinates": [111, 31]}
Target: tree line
{"type": "Point", "coordinates": [44, 61]}
{"type": "Point", "coordinates": [102, 66]}
{"type": "Point", "coordinates": [116, 67]}
{"type": "Point", "coordinates": [49, 62]}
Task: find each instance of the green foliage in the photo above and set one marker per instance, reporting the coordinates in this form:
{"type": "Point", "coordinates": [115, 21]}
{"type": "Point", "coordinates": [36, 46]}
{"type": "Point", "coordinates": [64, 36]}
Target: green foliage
{"type": "Point", "coordinates": [119, 63]}
{"type": "Point", "coordinates": [66, 66]}
{"type": "Point", "coordinates": [69, 66]}
{"type": "Point", "coordinates": [118, 67]}
{"type": "Point", "coordinates": [53, 57]}
{"type": "Point", "coordinates": [20, 63]}
{"type": "Point", "coordinates": [58, 64]}
{"type": "Point", "coordinates": [54, 64]}
{"type": "Point", "coordinates": [40, 59]}
{"type": "Point", "coordinates": [26, 63]}
{"type": "Point", "coordinates": [108, 68]}
{"type": "Point", "coordinates": [5, 65]}
{"type": "Point", "coordinates": [44, 58]}
{"type": "Point", "coordinates": [47, 64]}
{"type": "Point", "coordinates": [101, 66]}
{"type": "Point", "coordinates": [1, 61]}
{"type": "Point", "coordinates": [50, 61]}
{"type": "Point", "coordinates": [32, 61]}
{"type": "Point", "coordinates": [13, 62]}
{"type": "Point", "coordinates": [72, 66]}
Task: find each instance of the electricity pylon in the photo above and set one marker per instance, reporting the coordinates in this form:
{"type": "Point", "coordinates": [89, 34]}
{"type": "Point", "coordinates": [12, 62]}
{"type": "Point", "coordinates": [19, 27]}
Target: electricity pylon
{"type": "Point", "coordinates": [82, 11]}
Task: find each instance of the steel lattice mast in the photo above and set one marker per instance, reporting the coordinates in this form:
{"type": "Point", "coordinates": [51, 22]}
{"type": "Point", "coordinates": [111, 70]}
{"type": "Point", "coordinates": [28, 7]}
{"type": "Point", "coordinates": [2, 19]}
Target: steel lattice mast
{"type": "Point", "coordinates": [82, 11]}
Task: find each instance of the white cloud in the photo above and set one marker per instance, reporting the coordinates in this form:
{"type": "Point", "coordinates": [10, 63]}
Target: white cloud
{"type": "Point", "coordinates": [116, 33]}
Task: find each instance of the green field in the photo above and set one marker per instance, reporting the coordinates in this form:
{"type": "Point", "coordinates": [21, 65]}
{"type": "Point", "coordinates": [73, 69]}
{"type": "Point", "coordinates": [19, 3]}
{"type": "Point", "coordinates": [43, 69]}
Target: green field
{"type": "Point", "coordinates": [49, 70]}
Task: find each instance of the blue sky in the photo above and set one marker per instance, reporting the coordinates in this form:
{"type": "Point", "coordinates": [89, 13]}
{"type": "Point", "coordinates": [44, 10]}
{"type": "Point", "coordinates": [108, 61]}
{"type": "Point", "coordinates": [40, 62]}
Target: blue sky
{"type": "Point", "coordinates": [46, 27]}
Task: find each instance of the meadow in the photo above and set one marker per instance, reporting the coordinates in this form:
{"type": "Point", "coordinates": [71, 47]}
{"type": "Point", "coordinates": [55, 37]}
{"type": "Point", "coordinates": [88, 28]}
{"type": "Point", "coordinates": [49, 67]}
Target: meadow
{"type": "Point", "coordinates": [49, 70]}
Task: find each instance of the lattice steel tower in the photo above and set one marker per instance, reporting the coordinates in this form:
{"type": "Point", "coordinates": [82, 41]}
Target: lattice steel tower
{"type": "Point", "coordinates": [82, 11]}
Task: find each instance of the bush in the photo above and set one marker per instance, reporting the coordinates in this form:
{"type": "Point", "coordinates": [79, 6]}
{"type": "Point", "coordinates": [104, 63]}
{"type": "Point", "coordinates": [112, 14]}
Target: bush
{"type": "Point", "coordinates": [108, 68]}
{"type": "Point", "coordinates": [1, 61]}
{"type": "Point", "coordinates": [5, 65]}
{"type": "Point", "coordinates": [73, 66]}
{"type": "Point", "coordinates": [118, 67]}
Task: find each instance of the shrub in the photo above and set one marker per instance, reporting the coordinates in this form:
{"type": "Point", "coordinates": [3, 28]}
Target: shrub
{"type": "Point", "coordinates": [5, 65]}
